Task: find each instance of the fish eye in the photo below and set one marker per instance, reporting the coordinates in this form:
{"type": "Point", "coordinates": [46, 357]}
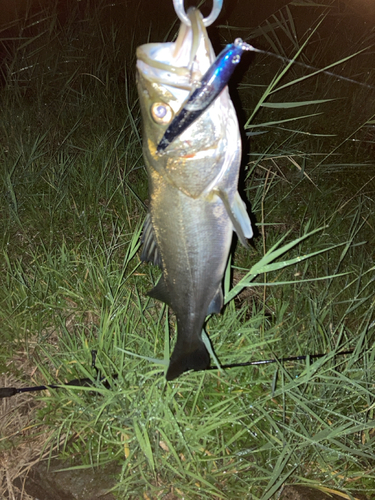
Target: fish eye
{"type": "Point", "coordinates": [161, 113]}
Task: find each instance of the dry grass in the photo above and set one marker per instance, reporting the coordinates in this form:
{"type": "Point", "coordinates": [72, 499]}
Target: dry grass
{"type": "Point", "coordinates": [23, 442]}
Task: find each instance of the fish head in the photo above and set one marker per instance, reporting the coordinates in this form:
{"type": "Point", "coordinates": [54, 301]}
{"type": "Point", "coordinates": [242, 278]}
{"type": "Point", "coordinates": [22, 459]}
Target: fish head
{"type": "Point", "coordinates": [167, 74]}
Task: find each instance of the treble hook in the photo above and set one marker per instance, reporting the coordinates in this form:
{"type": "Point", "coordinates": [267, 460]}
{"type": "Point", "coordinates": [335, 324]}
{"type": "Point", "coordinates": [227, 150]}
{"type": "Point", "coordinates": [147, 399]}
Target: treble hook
{"type": "Point", "coordinates": [207, 21]}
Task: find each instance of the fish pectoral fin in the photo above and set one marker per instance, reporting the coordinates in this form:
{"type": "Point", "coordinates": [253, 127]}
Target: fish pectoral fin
{"type": "Point", "coordinates": [150, 252]}
{"type": "Point", "coordinates": [238, 216]}
{"type": "Point", "coordinates": [241, 215]}
{"type": "Point", "coordinates": [216, 303]}
{"type": "Point", "coordinates": [160, 292]}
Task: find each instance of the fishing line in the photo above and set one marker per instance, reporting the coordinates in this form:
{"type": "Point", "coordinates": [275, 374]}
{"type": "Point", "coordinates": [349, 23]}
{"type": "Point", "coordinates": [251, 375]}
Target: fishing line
{"type": "Point", "coordinates": [7, 392]}
{"type": "Point", "coordinates": [317, 70]}
{"type": "Point", "coordinates": [216, 8]}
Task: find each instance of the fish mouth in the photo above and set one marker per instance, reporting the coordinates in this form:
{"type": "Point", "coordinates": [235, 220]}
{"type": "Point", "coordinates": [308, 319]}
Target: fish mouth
{"type": "Point", "coordinates": [181, 63]}
{"type": "Point", "coordinates": [194, 40]}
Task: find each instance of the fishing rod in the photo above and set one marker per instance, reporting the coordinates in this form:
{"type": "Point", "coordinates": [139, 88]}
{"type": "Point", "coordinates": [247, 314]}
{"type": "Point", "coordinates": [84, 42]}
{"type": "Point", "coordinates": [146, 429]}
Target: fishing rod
{"type": "Point", "coordinates": [280, 361]}
{"type": "Point", "coordinates": [7, 392]}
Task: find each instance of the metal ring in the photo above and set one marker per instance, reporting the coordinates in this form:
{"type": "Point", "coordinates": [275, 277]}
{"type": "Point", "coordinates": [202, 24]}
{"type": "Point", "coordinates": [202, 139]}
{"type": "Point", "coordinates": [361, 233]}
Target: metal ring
{"type": "Point", "coordinates": [207, 21]}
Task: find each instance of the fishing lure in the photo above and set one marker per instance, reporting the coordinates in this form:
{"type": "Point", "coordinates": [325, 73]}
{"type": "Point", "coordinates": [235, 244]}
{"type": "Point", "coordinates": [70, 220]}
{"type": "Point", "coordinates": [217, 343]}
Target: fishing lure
{"type": "Point", "coordinates": [208, 89]}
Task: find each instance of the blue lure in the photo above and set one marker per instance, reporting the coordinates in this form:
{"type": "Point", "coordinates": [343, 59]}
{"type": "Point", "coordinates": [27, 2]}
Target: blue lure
{"type": "Point", "coordinates": [210, 86]}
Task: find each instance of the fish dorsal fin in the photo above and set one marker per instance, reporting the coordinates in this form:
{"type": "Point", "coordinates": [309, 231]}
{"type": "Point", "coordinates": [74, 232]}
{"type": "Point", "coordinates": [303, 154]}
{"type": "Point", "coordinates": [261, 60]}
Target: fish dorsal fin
{"type": "Point", "coordinates": [150, 252]}
{"type": "Point", "coordinates": [216, 303]}
{"type": "Point", "coordinates": [238, 216]}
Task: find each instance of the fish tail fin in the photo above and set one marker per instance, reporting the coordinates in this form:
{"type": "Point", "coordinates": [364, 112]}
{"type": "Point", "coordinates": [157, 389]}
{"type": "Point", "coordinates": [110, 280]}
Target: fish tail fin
{"type": "Point", "coordinates": [195, 358]}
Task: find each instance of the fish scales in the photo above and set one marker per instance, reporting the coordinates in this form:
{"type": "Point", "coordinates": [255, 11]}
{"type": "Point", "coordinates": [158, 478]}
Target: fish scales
{"type": "Point", "coordinates": [194, 204]}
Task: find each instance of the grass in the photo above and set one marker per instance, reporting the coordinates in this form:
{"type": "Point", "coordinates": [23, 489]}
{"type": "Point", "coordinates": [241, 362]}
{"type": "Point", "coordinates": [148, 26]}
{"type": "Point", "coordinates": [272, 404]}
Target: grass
{"type": "Point", "coordinates": [74, 198]}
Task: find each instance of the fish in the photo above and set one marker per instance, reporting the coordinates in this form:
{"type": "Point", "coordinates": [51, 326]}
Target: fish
{"type": "Point", "coordinates": [192, 152]}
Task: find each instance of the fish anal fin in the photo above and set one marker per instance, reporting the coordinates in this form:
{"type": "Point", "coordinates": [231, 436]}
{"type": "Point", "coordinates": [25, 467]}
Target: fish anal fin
{"type": "Point", "coordinates": [238, 215]}
{"type": "Point", "coordinates": [160, 292]}
{"type": "Point", "coordinates": [150, 252]}
{"type": "Point", "coordinates": [216, 303]}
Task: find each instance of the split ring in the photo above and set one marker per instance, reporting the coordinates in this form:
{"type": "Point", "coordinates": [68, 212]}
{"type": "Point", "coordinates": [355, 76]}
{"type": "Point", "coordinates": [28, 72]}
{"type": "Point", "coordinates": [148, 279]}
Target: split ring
{"type": "Point", "coordinates": [207, 21]}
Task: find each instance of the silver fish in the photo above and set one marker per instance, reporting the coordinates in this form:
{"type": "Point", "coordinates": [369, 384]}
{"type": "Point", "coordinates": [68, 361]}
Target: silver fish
{"type": "Point", "coordinates": [193, 176]}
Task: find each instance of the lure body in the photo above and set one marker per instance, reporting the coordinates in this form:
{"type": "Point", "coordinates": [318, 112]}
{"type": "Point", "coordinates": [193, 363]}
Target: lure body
{"type": "Point", "coordinates": [208, 89]}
